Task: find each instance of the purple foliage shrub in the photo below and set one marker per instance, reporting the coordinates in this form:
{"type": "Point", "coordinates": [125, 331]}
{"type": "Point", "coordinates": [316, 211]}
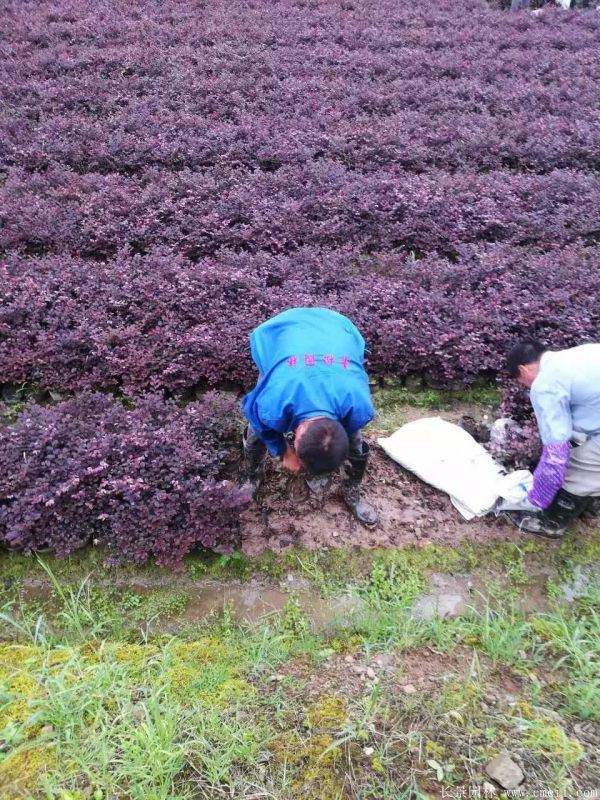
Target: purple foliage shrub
{"type": "Point", "coordinates": [324, 204]}
{"type": "Point", "coordinates": [160, 321]}
{"type": "Point", "coordinates": [143, 482]}
{"type": "Point", "coordinates": [172, 173]}
{"type": "Point", "coordinates": [419, 85]}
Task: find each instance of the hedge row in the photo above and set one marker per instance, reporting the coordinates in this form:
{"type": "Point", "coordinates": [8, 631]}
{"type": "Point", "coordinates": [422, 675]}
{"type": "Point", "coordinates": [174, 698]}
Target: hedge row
{"type": "Point", "coordinates": [142, 483]}
{"type": "Point", "coordinates": [162, 322]}
{"type": "Point", "coordinates": [325, 205]}
{"type": "Point", "coordinates": [420, 85]}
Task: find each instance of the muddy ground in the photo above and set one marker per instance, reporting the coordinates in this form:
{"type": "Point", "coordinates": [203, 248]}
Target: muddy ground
{"type": "Point", "coordinates": [286, 514]}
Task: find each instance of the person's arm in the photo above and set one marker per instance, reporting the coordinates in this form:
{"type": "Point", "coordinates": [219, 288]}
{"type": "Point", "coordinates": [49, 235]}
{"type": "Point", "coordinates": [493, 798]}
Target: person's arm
{"type": "Point", "coordinates": [549, 474]}
{"type": "Point", "coordinates": [275, 441]}
{"type": "Point", "coordinates": [357, 412]}
{"type": "Point", "coordinates": [267, 425]}
{"type": "Point", "coordinates": [553, 413]}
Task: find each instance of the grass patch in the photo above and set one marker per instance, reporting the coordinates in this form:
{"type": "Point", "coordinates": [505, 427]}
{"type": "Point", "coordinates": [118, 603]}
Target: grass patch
{"type": "Point", "coordinates": [394, 400]}
{"type": "Point", "coordinates": [276, 710]}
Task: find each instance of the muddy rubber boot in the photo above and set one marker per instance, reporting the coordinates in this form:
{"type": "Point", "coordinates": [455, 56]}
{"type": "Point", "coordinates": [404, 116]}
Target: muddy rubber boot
{"type": "Point", "coordinates": [592, 508]}
{"type": "Point", "coordinates": [554, 522]}
{"type": "Point", "coordinates": [254, 457]}
{"type": "Point", "coordinates": [355, 470]}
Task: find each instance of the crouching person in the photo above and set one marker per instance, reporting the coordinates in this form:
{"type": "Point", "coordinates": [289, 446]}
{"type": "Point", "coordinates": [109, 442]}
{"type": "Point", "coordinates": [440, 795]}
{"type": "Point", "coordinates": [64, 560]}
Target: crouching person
{"type": "Point", "coordinates": [565, 394]}
{"type": "Point", "coordinates": [311, 401]}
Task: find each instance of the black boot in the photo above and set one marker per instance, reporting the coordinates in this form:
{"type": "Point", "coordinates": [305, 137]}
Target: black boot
{"type": "Point", "coordinates": [254, 457]}
{"type": "Point", "coordinates": [592, 508]}
{"type": "Point", "coordinates": [555, 520]}
{"type": "Point", "coordinates": [355, 470]}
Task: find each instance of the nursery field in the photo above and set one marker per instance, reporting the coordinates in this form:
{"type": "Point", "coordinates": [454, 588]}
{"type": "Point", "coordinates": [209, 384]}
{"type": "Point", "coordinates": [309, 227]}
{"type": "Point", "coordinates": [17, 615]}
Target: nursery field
{"type": "Point", "coordinates": [172, 174]}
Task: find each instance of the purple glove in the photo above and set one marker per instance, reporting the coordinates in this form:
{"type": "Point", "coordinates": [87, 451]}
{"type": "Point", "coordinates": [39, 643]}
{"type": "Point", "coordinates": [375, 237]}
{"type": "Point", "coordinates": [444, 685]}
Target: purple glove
{"type": "Point", "coordinates": [549, 474]}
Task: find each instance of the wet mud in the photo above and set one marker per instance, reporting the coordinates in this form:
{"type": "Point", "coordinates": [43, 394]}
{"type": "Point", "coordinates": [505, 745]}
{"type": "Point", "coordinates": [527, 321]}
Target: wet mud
{"type": "Point", "coordinates": [287, 515]}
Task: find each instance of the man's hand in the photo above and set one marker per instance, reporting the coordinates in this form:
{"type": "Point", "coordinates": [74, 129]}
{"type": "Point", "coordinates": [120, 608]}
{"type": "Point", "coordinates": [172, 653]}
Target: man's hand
{"type": "Point", "coordinates": [291, 460]}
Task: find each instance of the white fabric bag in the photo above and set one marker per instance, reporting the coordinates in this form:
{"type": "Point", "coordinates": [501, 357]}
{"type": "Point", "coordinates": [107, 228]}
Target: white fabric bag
{"type": "Point", "coordinates": [447, 457]}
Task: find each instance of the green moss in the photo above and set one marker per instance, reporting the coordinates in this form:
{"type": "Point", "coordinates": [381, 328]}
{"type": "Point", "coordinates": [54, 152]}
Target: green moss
{"type": "Point", "coordinates": [462, 697]}
{"type": "Point", "coordinates": [549, 739]}
{"type": "Point", "coordinates": [316, 765]}
{"type": "Point", "coordinates": [435, 750]}
{"type": "Point", "coordinates": [16, 711]}
{"type": "Point", "coordinates": [329, 714]}
{"type": "Point", "coordinates": [228, 693]}
{"type": "Point", "coordinates": [345, 644]}
{"type": "Point", "coordinates": [201, 651]}
{"type": "Point", "coordinates": [134, 655]}
{"type": "Point", "coordinates": [180, 681]}
{"type": "Point", "coordinates": [20, 771]}
{"type": "Point", "coordinates": [16, 656]}
{"type": "Point", "coordinates": [579, 550]}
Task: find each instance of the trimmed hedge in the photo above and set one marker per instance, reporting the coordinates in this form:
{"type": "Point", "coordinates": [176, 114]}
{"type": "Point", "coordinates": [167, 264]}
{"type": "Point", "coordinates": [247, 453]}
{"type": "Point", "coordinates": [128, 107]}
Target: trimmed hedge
{"type": "Point", "coordinates": [173, 173]}
{"type": "Point", "coordinates": [162, 322]}
{"type": "Point", "coordinates": [142, 483]}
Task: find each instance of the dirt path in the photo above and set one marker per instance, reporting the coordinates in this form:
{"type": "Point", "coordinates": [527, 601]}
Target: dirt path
{"type": "Point", "coordinates": [411, 513]}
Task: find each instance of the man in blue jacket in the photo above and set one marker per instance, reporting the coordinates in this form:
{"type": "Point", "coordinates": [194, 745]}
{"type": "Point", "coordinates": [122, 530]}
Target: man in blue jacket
{"type": "Point", "coordinates": [311, 401]}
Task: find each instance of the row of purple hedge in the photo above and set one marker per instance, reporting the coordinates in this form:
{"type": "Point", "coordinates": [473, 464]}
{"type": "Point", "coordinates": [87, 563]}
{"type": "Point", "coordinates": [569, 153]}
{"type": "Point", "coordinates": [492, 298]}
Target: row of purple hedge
{"type": "Point", "coordinates": [142, 483]}
{"type": "Point", "coordinates": [162, 322]}
{"type": "Point", "coordinates": [420, 85]}
{"type": "Point", "coordinates": [324, 205]}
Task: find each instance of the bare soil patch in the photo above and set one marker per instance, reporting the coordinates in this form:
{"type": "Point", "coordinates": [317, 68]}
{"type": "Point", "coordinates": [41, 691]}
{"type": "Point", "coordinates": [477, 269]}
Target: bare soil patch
{"type": "Point", "coordinates": [287, 515]}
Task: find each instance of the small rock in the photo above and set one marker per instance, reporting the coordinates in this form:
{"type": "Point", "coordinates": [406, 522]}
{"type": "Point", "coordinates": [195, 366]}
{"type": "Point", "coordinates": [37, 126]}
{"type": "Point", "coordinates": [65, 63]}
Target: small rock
{"type": "Point", "coordinates": [505, 771]}
{"type": "Point", "coordinates": [587, 731]}
{"type": "Point", "coordinates": [3, 747]}
{"type": "Point", "coordinates": [359, 669]}
{"type": "Point", "coordinates": [489, 790]}
{"type": "Point", "coordinates": [368, 751]}
{"type": "Point", "coordinates": [276, 678]}
{"type": "Point", "coordinates": [335, 534]}
{"type": "Point", "coordinates": [349, 659]}
{"type": "Point", "coordinates": [384, 660]}
{"type": "Point", "coordinates": [548, 712]}
{"type": "Point", "coordinates": [490, 698]}
{"type": "Point", "coordinates": [371, 674]}
{"type": "Point", "coordinates": [47, 730]}
{"type": "Point", "coordinates": [409, 689]}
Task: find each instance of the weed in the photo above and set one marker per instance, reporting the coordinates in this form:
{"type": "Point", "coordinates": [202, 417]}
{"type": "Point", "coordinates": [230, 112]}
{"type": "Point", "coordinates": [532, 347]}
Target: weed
{"type": "Point", "coordinates": [550, 740]}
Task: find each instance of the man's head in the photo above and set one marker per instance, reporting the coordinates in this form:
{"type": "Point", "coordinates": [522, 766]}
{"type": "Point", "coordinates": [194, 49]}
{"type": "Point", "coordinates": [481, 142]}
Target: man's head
{"type": "Point", "coordinates": [523, 361]}
{"type": "Point", "coordinates": [321, 445]}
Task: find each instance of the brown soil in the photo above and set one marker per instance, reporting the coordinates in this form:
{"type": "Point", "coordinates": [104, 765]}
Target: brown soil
{"type": "Point", "coordinates": [411, 513]}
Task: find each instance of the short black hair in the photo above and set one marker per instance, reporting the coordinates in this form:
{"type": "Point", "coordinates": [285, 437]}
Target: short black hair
{"type": "Point", "coordinates": [526, 352]}
{"type": "Point", "coordinates": [323, 446]}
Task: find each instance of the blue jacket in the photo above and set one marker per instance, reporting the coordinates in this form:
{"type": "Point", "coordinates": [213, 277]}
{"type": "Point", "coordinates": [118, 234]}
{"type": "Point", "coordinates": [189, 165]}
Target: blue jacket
{"type": "Point", "coordinates": [311, 364]}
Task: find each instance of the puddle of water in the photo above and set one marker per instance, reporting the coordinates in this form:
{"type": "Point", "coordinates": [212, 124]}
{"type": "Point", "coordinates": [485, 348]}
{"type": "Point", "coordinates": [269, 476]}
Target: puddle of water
{"type": "Point", "coordinates": [252, 602]}
{"type": "Point", "coordinates": [246, 603]}
{"type": "Point", "coordinates": [584, 581]}
{"type": "Point", "coordinates": [448, 596]}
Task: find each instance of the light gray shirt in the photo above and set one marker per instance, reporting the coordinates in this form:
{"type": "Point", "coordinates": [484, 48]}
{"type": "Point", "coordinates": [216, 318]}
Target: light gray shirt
{"type": "Point", "coordinates": [566, 394]}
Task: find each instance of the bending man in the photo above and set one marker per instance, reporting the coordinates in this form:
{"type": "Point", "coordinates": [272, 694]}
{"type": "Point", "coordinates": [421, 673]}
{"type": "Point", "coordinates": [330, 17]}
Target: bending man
{"type": "Point", "coordinates": [565, 394]}
{"type": "Point", "coordinates": [311, 401]}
